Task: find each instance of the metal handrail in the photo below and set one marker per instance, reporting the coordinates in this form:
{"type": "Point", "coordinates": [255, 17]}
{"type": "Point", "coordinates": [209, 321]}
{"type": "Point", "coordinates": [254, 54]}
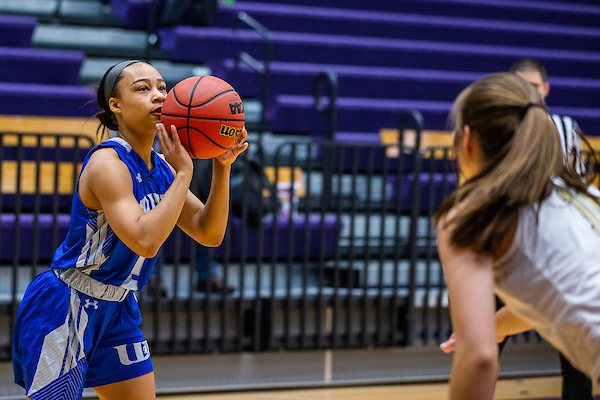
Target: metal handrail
{"type": "Point", "coordinates": [264, 70]}
{"type": "Point", "coordinates": [151, 37]}
{"type": "Point", "coordinates": [417, 118]}
{"type": "Point", "coordinates": [331, 107]}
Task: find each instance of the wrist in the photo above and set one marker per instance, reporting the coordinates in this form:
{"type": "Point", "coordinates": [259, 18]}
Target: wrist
{"type": "Point", "coordinates": [185, 174]}
{"type": "Point", "coordinates": [218, 164]}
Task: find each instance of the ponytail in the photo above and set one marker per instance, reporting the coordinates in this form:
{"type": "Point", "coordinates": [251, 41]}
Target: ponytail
{"type": "Point", "coordinates": [523, 152]}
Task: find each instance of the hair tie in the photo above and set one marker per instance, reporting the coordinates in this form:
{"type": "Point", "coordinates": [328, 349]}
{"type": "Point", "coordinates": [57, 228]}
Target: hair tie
{"type": "Point", "coordinates": [111, 78]}
{"type": "Point", "coordinates": [528, 106]}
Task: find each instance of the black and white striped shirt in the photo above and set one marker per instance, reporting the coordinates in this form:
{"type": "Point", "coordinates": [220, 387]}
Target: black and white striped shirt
{"type": "Point", "coordinates": [570, 139]}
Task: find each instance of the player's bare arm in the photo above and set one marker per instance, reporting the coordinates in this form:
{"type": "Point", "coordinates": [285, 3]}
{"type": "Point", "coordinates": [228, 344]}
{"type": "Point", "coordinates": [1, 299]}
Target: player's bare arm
{"type": "Point", "coordinates": [206, 223]}
{"type": "Point", "coordinates": [106, 184]}
{"type": "Point", "coordinates": [469, 279]}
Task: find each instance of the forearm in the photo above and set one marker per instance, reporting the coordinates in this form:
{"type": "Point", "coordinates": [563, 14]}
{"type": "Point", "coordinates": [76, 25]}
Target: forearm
{"type": "Point", "coordinates": [473, 377]}
{"type": "Point", "coordinates": [508, 324]}
{"type": "Point", "coordinates": [214, 216]}
{"type": "Point", "coordinates": [155, 226]}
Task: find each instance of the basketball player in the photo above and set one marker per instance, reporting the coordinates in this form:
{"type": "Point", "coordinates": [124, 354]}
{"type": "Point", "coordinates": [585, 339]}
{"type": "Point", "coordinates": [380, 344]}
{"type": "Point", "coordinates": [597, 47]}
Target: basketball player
{"type": "Point", "coordinates": [523, 225]}
{"type": "Point", "coordinates": [575, 386]}
{"type": "Point", "coordinates": [78, 323]}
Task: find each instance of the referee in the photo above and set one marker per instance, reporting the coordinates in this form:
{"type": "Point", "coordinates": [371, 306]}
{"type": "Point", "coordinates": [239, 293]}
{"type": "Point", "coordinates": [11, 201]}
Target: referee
{"type": "Point", "coordinates": [568, 130]}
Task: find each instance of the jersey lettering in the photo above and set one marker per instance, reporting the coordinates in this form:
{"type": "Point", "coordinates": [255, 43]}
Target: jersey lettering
{"type": "Point", "coordinates": [149, 201]}
{"type": "Point", "coordinates": [140, 352]}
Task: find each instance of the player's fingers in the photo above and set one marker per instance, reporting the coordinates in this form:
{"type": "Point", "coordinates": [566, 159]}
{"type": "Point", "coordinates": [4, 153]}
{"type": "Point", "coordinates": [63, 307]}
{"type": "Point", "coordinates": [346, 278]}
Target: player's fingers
{"type": "Point", "coordinates": [240, 149]}
{"type": "Point", "coordinates": [243, 136]}
{"type": "Point", "coordinates": [175, 135]}
{"type": "Point", "coordinates": [449, 345]}
{"type": "Point", "coordinates": [162, 136]}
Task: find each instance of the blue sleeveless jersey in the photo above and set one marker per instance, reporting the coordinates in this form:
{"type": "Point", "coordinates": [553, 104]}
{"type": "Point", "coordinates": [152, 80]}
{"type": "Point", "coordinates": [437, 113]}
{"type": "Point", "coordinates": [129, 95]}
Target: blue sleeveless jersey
{"type": "Point", "coordinates": [92, 247]}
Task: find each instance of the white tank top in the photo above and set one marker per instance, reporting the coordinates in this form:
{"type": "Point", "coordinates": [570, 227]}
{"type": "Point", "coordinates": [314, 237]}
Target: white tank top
{"type": "Point", "coordinates": [550, 276]}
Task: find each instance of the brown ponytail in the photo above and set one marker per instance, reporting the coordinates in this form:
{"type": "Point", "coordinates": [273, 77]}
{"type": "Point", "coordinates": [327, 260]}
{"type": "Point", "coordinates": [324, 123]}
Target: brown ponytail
{"type": "Point", "coordinates": [522, 147]}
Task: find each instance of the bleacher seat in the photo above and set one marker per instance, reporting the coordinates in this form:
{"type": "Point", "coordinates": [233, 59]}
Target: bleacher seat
{"type": "Point", "coordinates": [193, 44]}
{"type": "Point", "coordinates": [322, 233]}
{"type": "Point", "coordinates": [526, 10]}
{"type": "Point", "coordinates": [39, 233]}
{"type": "Point", "coordinates": [133, 14]}
{"type": "Point", "coordinates": [384, 23]}
{"type": "Point", "coordinates": [54, 67]}
{"type": "Point", "coordinates": [362, 109]}
{"type": "Point", "coordinates": [387, 83]}
{"type": "Point", "coordinates": [16, 31]}
{"type": "Point", "coordinates": [50, 100]}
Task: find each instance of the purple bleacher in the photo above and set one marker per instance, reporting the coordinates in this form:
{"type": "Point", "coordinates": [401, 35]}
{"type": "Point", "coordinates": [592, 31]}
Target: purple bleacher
{"type": "Point", "coordinates": [361, 152]}
{"type": "Point", "coordinates": [322, 237]}
{"type": "Point", "coordinates": [193, 44]}
{"type": "Point", "coordinates": [343, 21]}
{"type": "Point", "coordinates": [292, 113]}
{"type": "Point", "coordinates": [133, 14]}
{"type": "Point", "coordinates": [33, 235]}
{"type": "Point", "coordinates": [40, 66]}
{"type": "Point", "coordinates": [386, 82]}
{"type": "Point", "coordinates": [358, 137]}
{"type": "Point", "coordinates": [16, 31]}
{"type": "Point", "coordinates": [368, 81]}
{"type": "Point", "coordinates": [514, 10]}
{"type": "Point", "coordinates": [50, 100]}
{"type": "Point", "coordinates": [29, 202]}
{"type": "Point", "coordinates": [432, 194]}
{"type": "Point", "coordinates": [296, 114]}
{"type": "Point", "coordinates": [321, 232]}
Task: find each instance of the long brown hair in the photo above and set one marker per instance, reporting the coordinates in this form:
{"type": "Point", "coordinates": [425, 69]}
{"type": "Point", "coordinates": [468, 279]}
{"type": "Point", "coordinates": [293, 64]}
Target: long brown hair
{"type": "Point", "coordinates": [522, 148]}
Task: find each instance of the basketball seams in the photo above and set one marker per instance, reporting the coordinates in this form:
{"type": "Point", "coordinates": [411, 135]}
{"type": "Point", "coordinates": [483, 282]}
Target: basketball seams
{"type": "Point", "coordinates": [187, 122]}
{"type": "Point", "coordinates": [192, 96]}
{"type": "Point", "coordinates": [209, 138]}
{"type": "Point", "coordinates": [212, 98]}
{"type": "Point", "coordinates": [204, 118]}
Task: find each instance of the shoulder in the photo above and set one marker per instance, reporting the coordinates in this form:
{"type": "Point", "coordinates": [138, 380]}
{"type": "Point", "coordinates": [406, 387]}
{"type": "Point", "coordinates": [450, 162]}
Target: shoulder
{"type": "Point", "coordinates": [104, 162]}
{"type": "Point", "coordinates": [102, 155]}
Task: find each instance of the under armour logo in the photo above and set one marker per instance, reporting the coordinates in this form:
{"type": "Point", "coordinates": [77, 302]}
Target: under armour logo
{"type": "Point", "coordinates": [91, 303]}
{"type": "Point", "coordinates": [139, 177]}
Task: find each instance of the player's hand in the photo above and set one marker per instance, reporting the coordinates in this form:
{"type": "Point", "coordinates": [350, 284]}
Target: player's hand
{"type": "Point", "coordinates": [234, 151]}
{"type": "Point", "coordinates": [449, 345]}
{"type": "Point", "coordinates": [174, 152]}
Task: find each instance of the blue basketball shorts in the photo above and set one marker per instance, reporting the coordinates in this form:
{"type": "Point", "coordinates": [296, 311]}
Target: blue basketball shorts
{"type": "Point", "coordinates": [65, 340]}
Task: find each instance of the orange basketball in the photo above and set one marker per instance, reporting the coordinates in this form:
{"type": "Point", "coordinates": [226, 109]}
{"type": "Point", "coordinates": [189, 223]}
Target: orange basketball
{"type": "Point", "coordinates": [208, 114]}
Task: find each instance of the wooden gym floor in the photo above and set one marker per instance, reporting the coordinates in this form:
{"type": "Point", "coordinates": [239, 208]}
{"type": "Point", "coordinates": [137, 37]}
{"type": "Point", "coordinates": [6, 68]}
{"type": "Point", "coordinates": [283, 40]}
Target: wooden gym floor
{"type": "Point", "coordinates": [510, 389]}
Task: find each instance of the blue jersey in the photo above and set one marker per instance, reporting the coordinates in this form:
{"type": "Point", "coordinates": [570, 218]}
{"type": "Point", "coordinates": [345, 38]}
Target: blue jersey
{"type": "Point", "coordinates": [92, 247]}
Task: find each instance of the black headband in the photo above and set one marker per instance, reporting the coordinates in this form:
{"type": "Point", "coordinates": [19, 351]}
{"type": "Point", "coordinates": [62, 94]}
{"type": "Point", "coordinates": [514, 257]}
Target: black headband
{"type": "Point", "coordinates": [528, 106]}
{"type": "Point", "coordinates": [112, 75]}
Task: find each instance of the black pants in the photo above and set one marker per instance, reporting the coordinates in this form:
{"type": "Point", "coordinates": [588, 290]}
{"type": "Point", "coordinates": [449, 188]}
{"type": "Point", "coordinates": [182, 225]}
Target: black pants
{"type": "Point", "coordinates": [576, 386]}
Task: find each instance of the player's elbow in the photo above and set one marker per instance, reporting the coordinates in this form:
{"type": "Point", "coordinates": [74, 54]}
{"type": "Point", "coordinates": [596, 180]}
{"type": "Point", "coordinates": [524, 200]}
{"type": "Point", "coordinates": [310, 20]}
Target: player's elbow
{"type": "Point", "coordinates": [209, 238]}
{"type": "Point", "coordinates": [147, 252]}
{"type": "Point", "coordinates": [147, 249]}
{"type": "Point", "coordinates": [213, 241]}
{"type": "Point", "coordinates": [484, 358]}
